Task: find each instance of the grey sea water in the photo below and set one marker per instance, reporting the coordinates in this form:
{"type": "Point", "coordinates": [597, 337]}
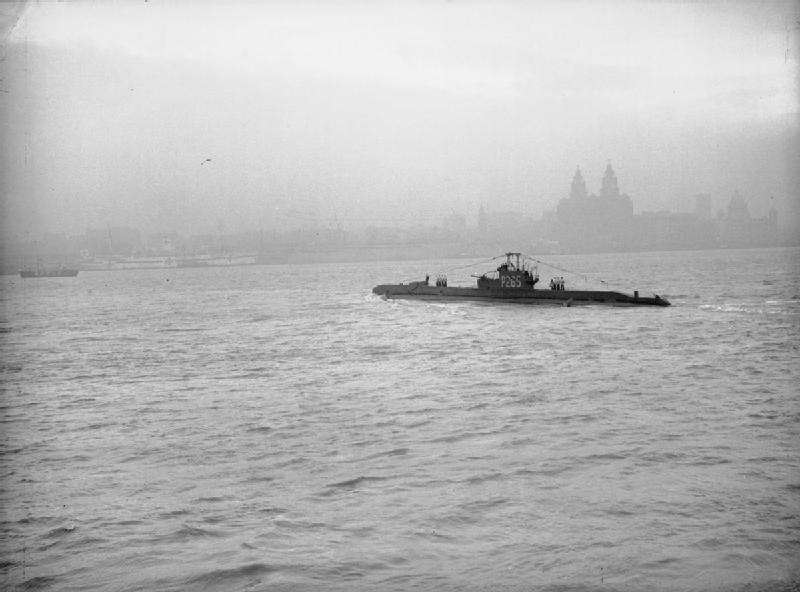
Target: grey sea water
{"type": "Point", "coordinates": [281, 428]}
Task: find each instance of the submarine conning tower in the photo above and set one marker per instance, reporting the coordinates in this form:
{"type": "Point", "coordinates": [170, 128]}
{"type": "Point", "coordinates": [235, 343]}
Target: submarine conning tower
{"type": "Point", "coordinates": [511, 275]}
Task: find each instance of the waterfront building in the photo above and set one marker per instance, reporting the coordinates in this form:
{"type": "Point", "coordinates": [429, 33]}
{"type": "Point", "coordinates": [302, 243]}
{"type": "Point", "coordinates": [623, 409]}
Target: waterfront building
{"type": "Point", "coordinates": [595, 222]}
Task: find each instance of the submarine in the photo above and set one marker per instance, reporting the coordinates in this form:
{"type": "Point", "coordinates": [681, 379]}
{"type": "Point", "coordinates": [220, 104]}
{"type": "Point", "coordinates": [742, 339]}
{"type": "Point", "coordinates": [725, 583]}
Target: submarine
{"type": "Point", "coordinates": [514, 282]}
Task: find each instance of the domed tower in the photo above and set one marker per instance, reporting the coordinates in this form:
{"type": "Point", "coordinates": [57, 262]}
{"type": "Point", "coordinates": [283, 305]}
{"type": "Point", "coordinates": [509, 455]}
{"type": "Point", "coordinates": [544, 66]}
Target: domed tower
{"type": "Point", "coordinates": [578, 189]}
{"type": "Point", "coordinates": [610, 188]}
{"type": "Point", "coordinates": [737, 208]}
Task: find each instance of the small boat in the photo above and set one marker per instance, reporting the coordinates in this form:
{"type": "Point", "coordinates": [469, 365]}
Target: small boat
{"type": "Point", "coordinates": [515, 282]}
{"type": "Point", "coordinates": [41, 272]}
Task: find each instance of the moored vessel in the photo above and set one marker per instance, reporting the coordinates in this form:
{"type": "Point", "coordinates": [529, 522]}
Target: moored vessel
{"type": "Point", "coordinates": [516, 282]}
{"type": "Point", "coordinates": [42, 272]}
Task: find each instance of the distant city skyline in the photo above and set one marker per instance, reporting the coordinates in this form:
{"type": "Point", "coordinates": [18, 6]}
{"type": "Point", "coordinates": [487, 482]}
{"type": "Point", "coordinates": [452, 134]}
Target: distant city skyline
{"type": "Point", "coordinates": [583, 222]}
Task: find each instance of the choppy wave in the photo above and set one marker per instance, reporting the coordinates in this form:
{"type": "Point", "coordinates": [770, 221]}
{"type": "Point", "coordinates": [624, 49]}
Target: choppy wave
{"type": "Point", "coordinates": [358, 443]}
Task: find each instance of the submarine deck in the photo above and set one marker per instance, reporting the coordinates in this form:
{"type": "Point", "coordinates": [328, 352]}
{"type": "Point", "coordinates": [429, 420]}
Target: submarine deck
{"type": "Point", "coordinates": [533, 296]}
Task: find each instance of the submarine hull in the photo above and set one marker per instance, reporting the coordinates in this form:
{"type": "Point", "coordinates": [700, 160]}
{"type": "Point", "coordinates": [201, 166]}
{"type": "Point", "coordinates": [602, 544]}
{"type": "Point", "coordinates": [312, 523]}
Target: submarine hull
{"type": "Point", "coordinates": [519, 296]}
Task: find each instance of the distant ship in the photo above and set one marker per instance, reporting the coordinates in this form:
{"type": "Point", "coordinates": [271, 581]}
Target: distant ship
{"type": "Point", "coordinates": [41, 272]}
{"type": "Point", "coordinates": [514, 282]}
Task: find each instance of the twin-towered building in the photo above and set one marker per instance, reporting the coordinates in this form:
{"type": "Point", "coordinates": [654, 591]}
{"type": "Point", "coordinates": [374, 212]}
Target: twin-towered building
{"type": "Point", "coordinates": [595, 222]}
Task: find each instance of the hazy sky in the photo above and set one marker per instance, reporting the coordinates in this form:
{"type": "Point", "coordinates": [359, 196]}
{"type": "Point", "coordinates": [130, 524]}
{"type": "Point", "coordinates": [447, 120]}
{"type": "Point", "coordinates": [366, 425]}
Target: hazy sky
{"type": "Point", "coordinates": [387, 112]}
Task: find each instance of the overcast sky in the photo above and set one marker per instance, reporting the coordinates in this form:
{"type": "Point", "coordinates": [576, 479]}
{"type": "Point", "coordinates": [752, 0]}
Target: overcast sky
{"type": "Point", "coordinates": [384, 112]}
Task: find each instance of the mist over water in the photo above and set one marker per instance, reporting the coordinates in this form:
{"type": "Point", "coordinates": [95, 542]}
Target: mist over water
{"type": "Point", "coordinates": [281, 428]}
{"type": "Point", "coordinates": [174, 117]}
